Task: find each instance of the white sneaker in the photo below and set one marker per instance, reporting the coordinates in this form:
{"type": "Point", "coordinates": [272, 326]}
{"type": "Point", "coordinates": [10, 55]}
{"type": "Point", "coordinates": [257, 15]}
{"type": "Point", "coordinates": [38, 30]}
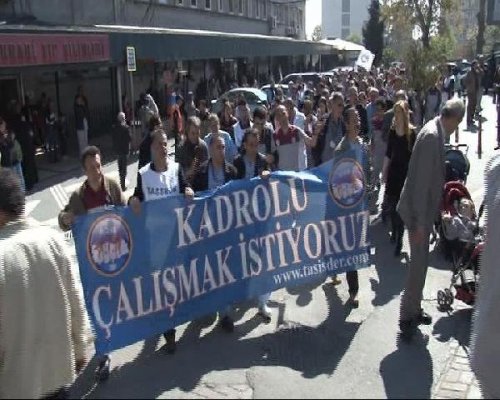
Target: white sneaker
{"type": "Point", "coordinates": [265, 313]}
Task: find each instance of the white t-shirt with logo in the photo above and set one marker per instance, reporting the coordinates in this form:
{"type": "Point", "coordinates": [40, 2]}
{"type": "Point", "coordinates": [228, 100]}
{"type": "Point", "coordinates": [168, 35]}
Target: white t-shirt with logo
{"type": "Point", "coordinates": [158, 185]}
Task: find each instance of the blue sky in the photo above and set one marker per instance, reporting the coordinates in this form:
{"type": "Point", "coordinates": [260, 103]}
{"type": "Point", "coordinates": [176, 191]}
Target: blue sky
{"type": "Point", "coordinates": [313, 15]}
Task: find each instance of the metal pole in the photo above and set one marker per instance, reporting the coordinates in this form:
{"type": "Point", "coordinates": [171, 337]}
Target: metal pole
{"type": "Point", "coordinates": [456, 135]}
{"type": "Point", "coordinates": [479, 138]}
{"type": "Point", "coordinates": [57, 93]}
{"type": "Point", "coordinates": [132, 101]}
{"type": "Point", "coordinates": [119, 86]}
{"type": "Point", "coordinates": [21, 84]}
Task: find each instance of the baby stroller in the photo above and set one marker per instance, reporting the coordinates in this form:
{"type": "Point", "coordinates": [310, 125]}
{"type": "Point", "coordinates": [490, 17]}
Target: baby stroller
{"type": "Point", "coordinates": [464, 249]}
{"type": "Point", "coordinates": [457, 163]}
{"type": "Point", "coordinates": [453, 192]}
{"type": "Point", "coordinates": [457, 169]}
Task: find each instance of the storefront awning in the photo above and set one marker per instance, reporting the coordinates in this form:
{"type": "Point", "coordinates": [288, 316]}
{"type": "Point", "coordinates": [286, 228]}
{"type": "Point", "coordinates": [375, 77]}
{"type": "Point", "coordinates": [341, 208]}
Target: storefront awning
{"type": "Point", "coordinates": [160, 44]}
{"type": "Point", "coordinates": [342, 45]}
{"type": "Point", "coordinates": [178, 44]}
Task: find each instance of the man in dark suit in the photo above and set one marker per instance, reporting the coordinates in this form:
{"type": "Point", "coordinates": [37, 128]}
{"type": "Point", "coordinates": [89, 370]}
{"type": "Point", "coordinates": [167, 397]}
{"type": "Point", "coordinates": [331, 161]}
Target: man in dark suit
{"type": "Point", "coordinates": [212, 174]}
{"type": "Point", "coordinates": [419, 207]}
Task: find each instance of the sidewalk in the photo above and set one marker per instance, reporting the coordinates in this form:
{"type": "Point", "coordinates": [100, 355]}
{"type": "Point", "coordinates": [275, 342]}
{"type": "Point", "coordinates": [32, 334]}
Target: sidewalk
{"type": "Point", "coordinates": [457, 380]}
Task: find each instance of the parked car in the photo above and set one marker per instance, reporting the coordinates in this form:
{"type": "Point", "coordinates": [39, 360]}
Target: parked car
{"type": "Point", "coordinates": [270, 91]}
{"type": "Point", "coordinates": [254, 98]}
{"type": "Point", "coordinates": [307, 77]}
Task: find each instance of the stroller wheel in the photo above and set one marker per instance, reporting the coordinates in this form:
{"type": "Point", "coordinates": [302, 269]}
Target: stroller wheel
{"type": "Point", "coordinates": [441, 299]}
{"type": "Point", "coordinates": [449, 296]}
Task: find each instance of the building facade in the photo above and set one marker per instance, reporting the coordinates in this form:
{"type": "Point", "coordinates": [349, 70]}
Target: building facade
{"type": "Point", "coordinates": [343, 18]}
{"type": "Point", "coordinates": [205, 46]}
{"type": "Point", "coordinates": [265, 17]}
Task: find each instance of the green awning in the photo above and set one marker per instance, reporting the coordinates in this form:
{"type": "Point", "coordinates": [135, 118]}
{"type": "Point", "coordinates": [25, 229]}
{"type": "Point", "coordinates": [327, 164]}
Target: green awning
{"type": "Point", "coordinates": [176, 44]}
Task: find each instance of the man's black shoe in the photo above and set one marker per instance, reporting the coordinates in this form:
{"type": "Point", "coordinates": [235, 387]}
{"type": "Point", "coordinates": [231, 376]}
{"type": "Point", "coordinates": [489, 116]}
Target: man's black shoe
{"type": "Point", "coordinates": [171, 345]}
{"type": "Point", "coordinates": [424, 318]}
{"type": "Point", "coordinates": [227, 324]}
{"type": "Point", "coordinates": [102, 372]}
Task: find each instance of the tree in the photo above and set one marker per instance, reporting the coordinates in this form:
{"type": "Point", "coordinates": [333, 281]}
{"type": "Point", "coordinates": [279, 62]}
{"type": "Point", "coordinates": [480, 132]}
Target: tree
{"type": "Point", "coordinates": [355, 38]}
{"type": "Point", "coordinates": [317, 34]}
{"type": "Point", "coordinates": [423, 14]}
{"type": "Point", "coordinates": [481, 26]}
{"type": "Point", "coordinates": [373, 32]}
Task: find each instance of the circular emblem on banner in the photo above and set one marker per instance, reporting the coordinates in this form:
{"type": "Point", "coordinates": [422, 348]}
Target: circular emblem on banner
{"type": "Point", "coordinates": [109, 245]}
{"type": "Point", "coordinates": [347, 183]}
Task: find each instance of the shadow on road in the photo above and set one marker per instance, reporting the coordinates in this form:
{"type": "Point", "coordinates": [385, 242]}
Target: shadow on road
{"type": "Point", "coordinates": [391, 270]}
{"type": "Point", "coordinates": [407, 372]}
{"type": "Point", "coordinates": [457, 325]}
{"type": "Point", "coordinates": [311, 351]}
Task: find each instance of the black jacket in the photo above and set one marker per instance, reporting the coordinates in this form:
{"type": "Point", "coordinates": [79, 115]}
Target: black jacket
{"type": "Point", "coordinates": [200, 179]}
{"type": "Point", "coordinates": [239, 164]}
{"type": "Point", "coordinates": [121, 139]}
{"type": "Point", "coordinates": [317, 151]}
{"type": "Point", "coordinates": [81, 112]}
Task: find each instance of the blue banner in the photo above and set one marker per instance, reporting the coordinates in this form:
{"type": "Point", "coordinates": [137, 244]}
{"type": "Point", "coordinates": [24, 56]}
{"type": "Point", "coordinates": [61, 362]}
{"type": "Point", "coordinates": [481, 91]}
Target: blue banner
{"type": "Point", "coordinates": [182, 259]}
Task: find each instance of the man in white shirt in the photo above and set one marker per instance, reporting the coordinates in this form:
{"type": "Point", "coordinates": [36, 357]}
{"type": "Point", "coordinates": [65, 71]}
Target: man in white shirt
{"type": "Point", "coordinates": [243, 117]}
{"type": "Point", "coordinates": [295, 117]}
{"type": "Point", "coordinates": [291, 142]}
{"type": "Point", "coordinates": [157, 180]}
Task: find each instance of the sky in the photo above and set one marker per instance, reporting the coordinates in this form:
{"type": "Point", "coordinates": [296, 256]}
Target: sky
{"type": "Point", "coordinates": [313, 16]}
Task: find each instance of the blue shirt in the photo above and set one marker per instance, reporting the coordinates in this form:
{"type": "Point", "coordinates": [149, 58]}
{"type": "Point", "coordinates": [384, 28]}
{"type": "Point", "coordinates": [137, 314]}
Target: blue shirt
{"type": "Point", "coordinates": [231, 149]}
{"type": "Point", "coordinates": [249, 168]}
{"type": "Point", "coordinates": [215, 177]}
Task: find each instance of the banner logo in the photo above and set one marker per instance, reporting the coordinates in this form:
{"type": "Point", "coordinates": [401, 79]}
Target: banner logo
{"type": "Point", "coordinates": [109, 245]}
{"type": "Point", "coordinates": [347, 183]}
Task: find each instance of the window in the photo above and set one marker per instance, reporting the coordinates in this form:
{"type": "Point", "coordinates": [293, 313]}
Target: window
{"type": "Point", "coordinates": [194, 3]}
{"type": "Point", "coordinates": [301, 18]}
{"type": "Point", "coordinates": [346, 6]}
{"type": "Point", "coordinates": [221, 5]}
{"type": "Point", "coordinates": [264, 9]}
{"type": "Point", "coordinates": [346, 20]}
{"type": "Point", "coordinates": [345, 33]}
{"type": "Point", "coordinates": [180, 2]}
{"type": "Point", "coordinates": [208, 4]}
{"type": "Point", "coordinates": [231, 6]}
{"type": "Point", "coordinates": [240, 7]}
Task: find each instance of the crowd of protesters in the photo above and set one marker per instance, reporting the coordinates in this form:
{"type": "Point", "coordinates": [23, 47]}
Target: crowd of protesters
{"type": "Point", "coordinates": [373, 112]}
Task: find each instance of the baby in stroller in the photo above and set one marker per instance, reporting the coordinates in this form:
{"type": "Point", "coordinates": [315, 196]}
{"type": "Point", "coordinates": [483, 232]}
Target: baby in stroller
{"type": "Point", "coordinates": [463, 240]}
{"type": "Point", "coordinates": [463, 225]}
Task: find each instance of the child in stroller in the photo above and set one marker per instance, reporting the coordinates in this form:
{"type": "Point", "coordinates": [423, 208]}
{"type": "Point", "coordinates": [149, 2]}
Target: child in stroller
{"type": "Point", "coordinates": [460, 231]}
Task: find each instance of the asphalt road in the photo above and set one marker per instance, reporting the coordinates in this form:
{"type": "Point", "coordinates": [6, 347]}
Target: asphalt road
{"type": "Point", "coordinates": [315, 346]}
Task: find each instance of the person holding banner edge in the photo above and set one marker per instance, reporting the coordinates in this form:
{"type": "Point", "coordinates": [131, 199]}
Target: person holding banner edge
{"type": "Point", "coordinates": [212, 174]}
{"type": "Point", "coordinates": [96, 192]}
{"type": "Point", "coordinates": [249, 164]}
{"type": "Point", "coordinates": [156, 180]}
{"type": "Point", "coordinates": [351, 141]}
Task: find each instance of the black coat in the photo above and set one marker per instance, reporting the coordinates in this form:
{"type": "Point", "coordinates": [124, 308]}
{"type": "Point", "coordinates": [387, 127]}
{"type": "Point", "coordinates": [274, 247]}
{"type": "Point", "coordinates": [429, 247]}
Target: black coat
{"type": "Point", "coordinates": [200, 179]}
{"type": "Point", "coordinates": [239, 164]}
{"type": "Point", "coordinates": [121, 139]}
{"type": "Point", "coordinates": [317, 151]}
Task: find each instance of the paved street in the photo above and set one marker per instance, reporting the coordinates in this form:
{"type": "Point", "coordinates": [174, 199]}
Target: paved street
{"type": "Point", "coordinates": [315, 345]}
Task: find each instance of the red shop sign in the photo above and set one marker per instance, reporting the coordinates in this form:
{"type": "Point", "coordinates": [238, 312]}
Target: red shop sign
{"type": "Point", "coordinates": [17, 50]}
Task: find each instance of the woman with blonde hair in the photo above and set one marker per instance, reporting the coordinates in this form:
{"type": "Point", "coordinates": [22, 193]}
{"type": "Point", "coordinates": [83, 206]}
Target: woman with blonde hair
{"type": "Point", "coordinates": [402, 136]}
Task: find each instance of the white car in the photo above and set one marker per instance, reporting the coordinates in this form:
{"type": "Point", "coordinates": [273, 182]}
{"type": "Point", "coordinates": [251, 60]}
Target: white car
{"type": "Point", "coordinates": [254, 98]}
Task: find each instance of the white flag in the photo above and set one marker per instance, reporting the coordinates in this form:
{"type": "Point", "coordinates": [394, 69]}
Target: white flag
{"type": "Point", "coordinates": [365, 59]}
